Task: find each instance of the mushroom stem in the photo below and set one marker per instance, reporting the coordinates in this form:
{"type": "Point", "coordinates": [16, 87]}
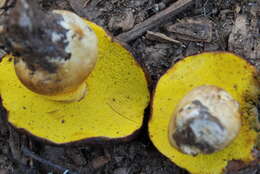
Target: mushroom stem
{"type": "Point", "coordinates": [54, 51]}
{"type": "Point", "coordinates": [206, 120]}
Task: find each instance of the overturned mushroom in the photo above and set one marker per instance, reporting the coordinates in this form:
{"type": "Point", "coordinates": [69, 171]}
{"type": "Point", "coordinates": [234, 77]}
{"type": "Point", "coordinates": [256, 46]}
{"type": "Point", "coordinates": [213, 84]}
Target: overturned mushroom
{"type": "Point", "coordinates": [206, 120]}
{"type": "Point", "coordinates": [56, 56]}
{"type": "Point", "coordinates": [203, 112]}
{"type": "Point", "coordinates": [54, 53]}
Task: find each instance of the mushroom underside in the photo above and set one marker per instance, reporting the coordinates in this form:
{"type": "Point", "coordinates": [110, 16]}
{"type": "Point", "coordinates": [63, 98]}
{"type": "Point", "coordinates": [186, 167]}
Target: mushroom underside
{"type": "Point", "coordinates": [112, 109]}
{"type": "Point", "coordinates": [223, 70]}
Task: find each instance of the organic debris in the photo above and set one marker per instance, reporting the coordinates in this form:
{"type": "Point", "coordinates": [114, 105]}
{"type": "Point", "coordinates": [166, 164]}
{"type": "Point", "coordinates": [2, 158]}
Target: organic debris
{"type": "Point", "coordinates": [193, 29]}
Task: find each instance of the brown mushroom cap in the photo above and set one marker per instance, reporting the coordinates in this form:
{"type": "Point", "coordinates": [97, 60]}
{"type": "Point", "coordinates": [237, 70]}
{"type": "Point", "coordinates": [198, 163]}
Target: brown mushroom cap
{"type": "Point", "coordinates": [206, 120]}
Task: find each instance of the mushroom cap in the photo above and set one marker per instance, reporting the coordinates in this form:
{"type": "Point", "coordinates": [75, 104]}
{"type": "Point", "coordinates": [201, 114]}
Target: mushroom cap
{"type": "Point", "coordinates": [70, 73]}
{"type": "Point", "coordinates": [112, 109]}
{"type": "Point", "coordinates": [224, 70]}
{"type": "Point", "coordinates": [206, 120]}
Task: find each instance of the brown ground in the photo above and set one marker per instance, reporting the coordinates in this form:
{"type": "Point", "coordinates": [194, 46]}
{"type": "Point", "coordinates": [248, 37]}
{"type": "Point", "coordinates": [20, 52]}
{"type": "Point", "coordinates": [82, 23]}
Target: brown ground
{"type": "Point", "coordinates": [232, 25]}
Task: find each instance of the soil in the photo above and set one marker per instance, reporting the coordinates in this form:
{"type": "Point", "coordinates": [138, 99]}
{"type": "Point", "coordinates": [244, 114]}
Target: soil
{"type": "Point", "coordinates": [230, 25]}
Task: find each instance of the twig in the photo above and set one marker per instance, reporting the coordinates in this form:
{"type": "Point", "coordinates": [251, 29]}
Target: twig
{"type": "Point", "coordinates": [31, 154]}
{"type": "Point", "coordinates": [86, 3]}
{"type": "Point", "coordinates": [15, 142]}
{"type": "Point", "coordinates": [155, 20]}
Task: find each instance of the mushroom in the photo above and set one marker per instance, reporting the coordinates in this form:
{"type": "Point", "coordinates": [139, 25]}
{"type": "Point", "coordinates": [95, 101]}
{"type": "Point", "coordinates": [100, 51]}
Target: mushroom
{"type": "Point", "coordinates": [49, 44]}
{"type": "Point", "coordinates": [55, 52]}
{"type": "Point", "coordinates": [203, 112]}
{"type": "Point", "coordinates": [206, 120]}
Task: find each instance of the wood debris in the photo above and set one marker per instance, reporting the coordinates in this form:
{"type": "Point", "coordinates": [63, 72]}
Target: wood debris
{"type": "Point", "coordinates": [193, 29]}
{"type": "Point", "coordinates": [244, 38]}
{"type": "Point", "coordinates": [156, 36]}
{"type": "Point", "coordinates": [155, 20]}
{"type": "Point", "coordinates": [86, 3]}
{"type": "Point", "coordinates": [2, 5]}
{"type": "Point", "coordinates": [36, 157]}
{"type": "Point", "coordinates": [240, 167]}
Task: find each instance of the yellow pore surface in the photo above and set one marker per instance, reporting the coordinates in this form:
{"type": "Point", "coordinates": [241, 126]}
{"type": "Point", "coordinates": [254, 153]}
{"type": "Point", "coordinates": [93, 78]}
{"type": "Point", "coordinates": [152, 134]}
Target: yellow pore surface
{"type": "Point", "coordinates": [117, 95]}
{"type": "Point", "coordinates": [224, 70]}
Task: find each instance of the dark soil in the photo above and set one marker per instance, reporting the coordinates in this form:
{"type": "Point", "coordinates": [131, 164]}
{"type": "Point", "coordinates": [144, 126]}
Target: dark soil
{"type": "Point", "coordinates": [231, 25]}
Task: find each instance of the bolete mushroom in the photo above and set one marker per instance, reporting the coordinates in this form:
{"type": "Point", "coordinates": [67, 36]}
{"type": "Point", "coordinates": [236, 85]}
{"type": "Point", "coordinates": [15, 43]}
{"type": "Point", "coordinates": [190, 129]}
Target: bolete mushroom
{"type": "Point", "coordinates": [59, 57]}
{"type": "Point", "coordinates": [206, 120]}
{"type": "Point", "coordinates": [55, 53]}
{"type": "Point", "coordinates": [203, 112]}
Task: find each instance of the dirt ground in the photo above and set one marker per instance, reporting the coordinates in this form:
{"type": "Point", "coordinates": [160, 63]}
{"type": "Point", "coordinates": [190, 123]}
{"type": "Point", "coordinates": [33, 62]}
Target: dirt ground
{"type": "Point", "coordinates": [232, 25]}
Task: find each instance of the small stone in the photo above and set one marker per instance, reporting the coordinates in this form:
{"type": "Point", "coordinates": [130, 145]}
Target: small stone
{"type": "Point", "coordinates": [161, 5]}
{"type": "Point", "coordinates": [121, 171]}
{"type": "Point", "coordinates": [122, 22]}
{"type": "Point", "coordinates": [100, 162]}
{"type": "Point", "coordinates": [118, 158]}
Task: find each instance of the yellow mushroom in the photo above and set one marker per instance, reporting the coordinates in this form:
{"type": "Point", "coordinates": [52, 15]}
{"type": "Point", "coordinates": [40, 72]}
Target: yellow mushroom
{"type": "Point", "coordinates": [55, 52]}
{"type": "Point", "coordinates": [203, 112]}
{"type": "Point", "coordinates": [117, 90]}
